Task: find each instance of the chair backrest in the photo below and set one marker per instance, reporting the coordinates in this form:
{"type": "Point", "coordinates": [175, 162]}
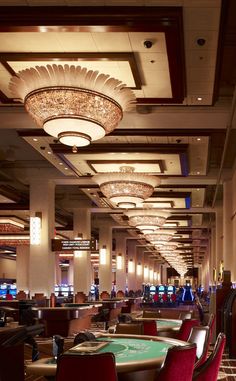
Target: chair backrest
{"type": "Point", "coordinates": [151, 314]}
{"type": "Point", "coordinates": [201, 337]}
{"type": "Point", "coordinates": [185, 329]}
{"type": "Point", "coordinates": [208, 371]}
{"type": "Point", "coordinates": [211, 324]}
{"type": "Point", "coordinates": [150, 327]}
{"type": "Point", "coordinates": [74, 367]}
{"type": "Point", "coordinates": [178, 364]}
{"type": "Point", "coordinates": [185, 315]}
{"type": "Point", "coordinates": [129, 328]}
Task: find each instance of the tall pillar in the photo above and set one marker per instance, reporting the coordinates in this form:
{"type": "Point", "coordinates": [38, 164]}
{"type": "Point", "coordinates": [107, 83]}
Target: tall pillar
{"type": "Point", "coordinates": [105, 269]}
{"type": "Point", "coordinates": [227, 226]}
{"type": "Point", "coordinates": [42, 259]}
{"type": "Point", "coordinates": [22, 267]}
{"type": "Point", "coordinates": [219, 238]}
{"type": "Point", "coordinates": [212, 259]}
{"type": "Point", "coordinates": [131, 278]}
{"type": "Point", "coordinates": [57, 270]}
{"type": "Point", "coordinates": [120, 256]}
{"type": "Point", "coordinates": [139, 267]}
{"type": "Point", "coordinates": [82, 259]}
{"type": "Point", "coordinates": [233, 219]}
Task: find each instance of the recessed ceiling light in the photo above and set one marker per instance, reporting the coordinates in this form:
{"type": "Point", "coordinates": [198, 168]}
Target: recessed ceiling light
{"type": "Point", "coordinates": [199, 139]}
{"type": "Point", "coordinates": [199, 98]}
{"type": "Point", "coordinates": [198, 189]}
{"type": "Point", "coordinates": [60, 163]}
{"type": "Point", "coordinates": [49, 152]}
{"type": "Point", "coordinates": [35, 139]}
{"type": "Point", "coordinates": [66, 168]}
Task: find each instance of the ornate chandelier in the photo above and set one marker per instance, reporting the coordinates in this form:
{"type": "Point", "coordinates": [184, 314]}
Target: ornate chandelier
{"type": "Point", "coordinates": [71, 103]}
{"type": "Point", "coordinates": [147, 220]}
{"type": "Point", "coordinates": [162, 235]}
{"type": "Point", "coordinates": [126, 188]}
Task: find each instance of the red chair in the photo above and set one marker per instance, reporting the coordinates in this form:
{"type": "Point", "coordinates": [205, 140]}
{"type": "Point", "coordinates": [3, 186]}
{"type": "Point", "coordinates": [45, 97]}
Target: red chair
{"type": "Point", "coordinates": [178, 364]}
{"type": "Point", "coordinates": [90, 367]}
{"type": "Point", "coordinates": [150, 328]}
{"type": "Point", "coordinates": [208, 371]}
{"type": "Point", "coordinates": [185, 329]}
{"type": "Point", "coordinates": [201, 337]}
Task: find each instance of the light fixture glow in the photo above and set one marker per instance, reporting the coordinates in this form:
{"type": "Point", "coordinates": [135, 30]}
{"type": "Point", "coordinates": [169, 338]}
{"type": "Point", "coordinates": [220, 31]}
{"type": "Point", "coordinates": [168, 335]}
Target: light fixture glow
{"type": "Point", "coordinates": [71, 103]}
{"type": "Point", "coordinates": [126, 188]}
{"type": "Point", "coordinates": [103, 255]}
{"type": "Point", "coordinates": [139, 269]}
{"type": "Point", "coordinates": [35, 230]}
{"type": "Point", "coordinates": [119, 262]}
{"type": "Point", "coordinates": [131, 266]}
{"type": "Point", "coordinates": [145, 272]}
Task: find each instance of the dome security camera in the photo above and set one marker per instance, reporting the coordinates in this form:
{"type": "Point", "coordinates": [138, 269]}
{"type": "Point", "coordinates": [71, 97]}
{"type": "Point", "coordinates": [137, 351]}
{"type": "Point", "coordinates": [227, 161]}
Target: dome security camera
{"type": "Point", "coordinates": [147, 44]}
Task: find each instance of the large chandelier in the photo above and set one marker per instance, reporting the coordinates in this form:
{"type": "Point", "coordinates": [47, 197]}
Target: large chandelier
{"type": "Point", "coordinates": [162, 235]}
{"type": "Point", "coordinates": [126, 188]}
{"type": "Point", "coordinates": [71, 103]}
{"type": "Point", "coordinates": [147, 220]}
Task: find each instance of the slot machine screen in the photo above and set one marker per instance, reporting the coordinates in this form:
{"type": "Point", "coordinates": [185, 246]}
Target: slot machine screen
{"type": "Point", "coordinates": [3, 291]}
{"type": "Point", "coordinates": [161, 290]}
{"type": "Point", "coordinates": [92, 290]}
{"type": "Point", "coordinates": [13, 290]}
{"type": "Point", "coordinates": [65, 290]}
{"type": "Point", "coordinates": [152, 290]}
{"type": "Point", "coordinates": [56, 290]}
{"type": "Point", "coordinates": [170, 290]}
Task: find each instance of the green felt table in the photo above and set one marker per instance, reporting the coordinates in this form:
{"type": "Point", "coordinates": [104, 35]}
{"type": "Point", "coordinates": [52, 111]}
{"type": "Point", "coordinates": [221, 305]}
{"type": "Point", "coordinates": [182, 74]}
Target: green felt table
{"type": "Point", "coordinates": [132, 352]}
{"type": "Point", "coordinates": [164, 324]}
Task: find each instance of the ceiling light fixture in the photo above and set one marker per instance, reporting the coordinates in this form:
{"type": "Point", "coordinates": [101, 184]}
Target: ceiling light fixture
{"type": "Point", "coordinates": [147, 220]}
{"type": "Point", "coordinates": [71, 103]}
{"type": "Point", "coordinates": [126, 188]}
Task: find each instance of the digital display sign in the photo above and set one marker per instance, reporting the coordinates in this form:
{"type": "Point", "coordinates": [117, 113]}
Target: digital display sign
{"type": "Point", "coordinates": [73, 245]}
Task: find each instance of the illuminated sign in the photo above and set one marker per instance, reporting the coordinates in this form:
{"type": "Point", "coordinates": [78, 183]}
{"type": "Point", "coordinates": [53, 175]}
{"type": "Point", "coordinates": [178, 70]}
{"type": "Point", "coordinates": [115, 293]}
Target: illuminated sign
{"type": "Point", "coordinates": [72, 245]}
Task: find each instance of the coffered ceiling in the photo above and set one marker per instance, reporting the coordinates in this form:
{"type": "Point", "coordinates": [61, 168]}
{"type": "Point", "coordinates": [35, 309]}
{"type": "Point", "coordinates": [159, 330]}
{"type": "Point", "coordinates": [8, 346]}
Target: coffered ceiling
{"type": "Point", "coordinates": [179, 59]}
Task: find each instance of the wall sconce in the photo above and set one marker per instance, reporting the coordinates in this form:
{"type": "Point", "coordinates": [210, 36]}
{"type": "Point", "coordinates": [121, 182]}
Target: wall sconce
{"type": "Point", "coordinates": [103, 255]}
{"type": "Point", "coordinates": [131, 266]}
{"type": "Point", "coordinates": [145, 272]}
{"type": "Point", "coordinates": [155, 276]}
{"type": "Point", "coordinates": [139, 269]}
{"type": "Point", "coordinates": [151, 275]}
{"type": "Point", "coordinates": [119, 262]}
{"type": "Point", "coordinates": [35, 229]}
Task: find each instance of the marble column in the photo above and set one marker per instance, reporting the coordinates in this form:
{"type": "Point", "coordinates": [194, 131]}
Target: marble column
{"type": "Point", "coordinates": [105, 268]}
{"type": "Point", "coordinates": [131, 250]}
{"type": "Point", "coordinates": [82, 259]}
{"type": "Point", "coordinates": [219, 238]}
{"type": "Point", "coordinates": [22, 268]}
{"type": "Point", "coordinates": [120, 239]}
{"type": "Point", "coordinates": [42, 259]}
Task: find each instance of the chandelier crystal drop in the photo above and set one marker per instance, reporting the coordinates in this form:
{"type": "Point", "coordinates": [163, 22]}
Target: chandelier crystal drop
{"type": "Point", "coordinates": [71, 103]}
{"type": "Point", "coordinates": [126, 188]}
{"type": "Point", "coordinates": [147, 220]}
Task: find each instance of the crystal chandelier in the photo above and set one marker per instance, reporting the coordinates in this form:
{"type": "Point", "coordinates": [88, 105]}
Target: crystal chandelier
{"type": "Point", "coordinates": [162, 235]}
{"type": "Point", "coordinates": [71, 103]}
{"type": "Point", "coordinates": [126, 188]}
{"type": "Point", "coordinates": [147, 220]}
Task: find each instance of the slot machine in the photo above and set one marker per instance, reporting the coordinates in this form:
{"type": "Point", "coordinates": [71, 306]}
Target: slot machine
{"type": "Point", "coordinates": [188, 296]}
{"type": "Point", "coordinates": [152, 291]}
{"type": "Point", "coordinates": [56, 290]}
{"type": "Point", "coordinates": [3, 291]}
{"type": "Point", "coordinates": [13, 290]}
{"type": "Point", "coordinates": [161, 292]}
